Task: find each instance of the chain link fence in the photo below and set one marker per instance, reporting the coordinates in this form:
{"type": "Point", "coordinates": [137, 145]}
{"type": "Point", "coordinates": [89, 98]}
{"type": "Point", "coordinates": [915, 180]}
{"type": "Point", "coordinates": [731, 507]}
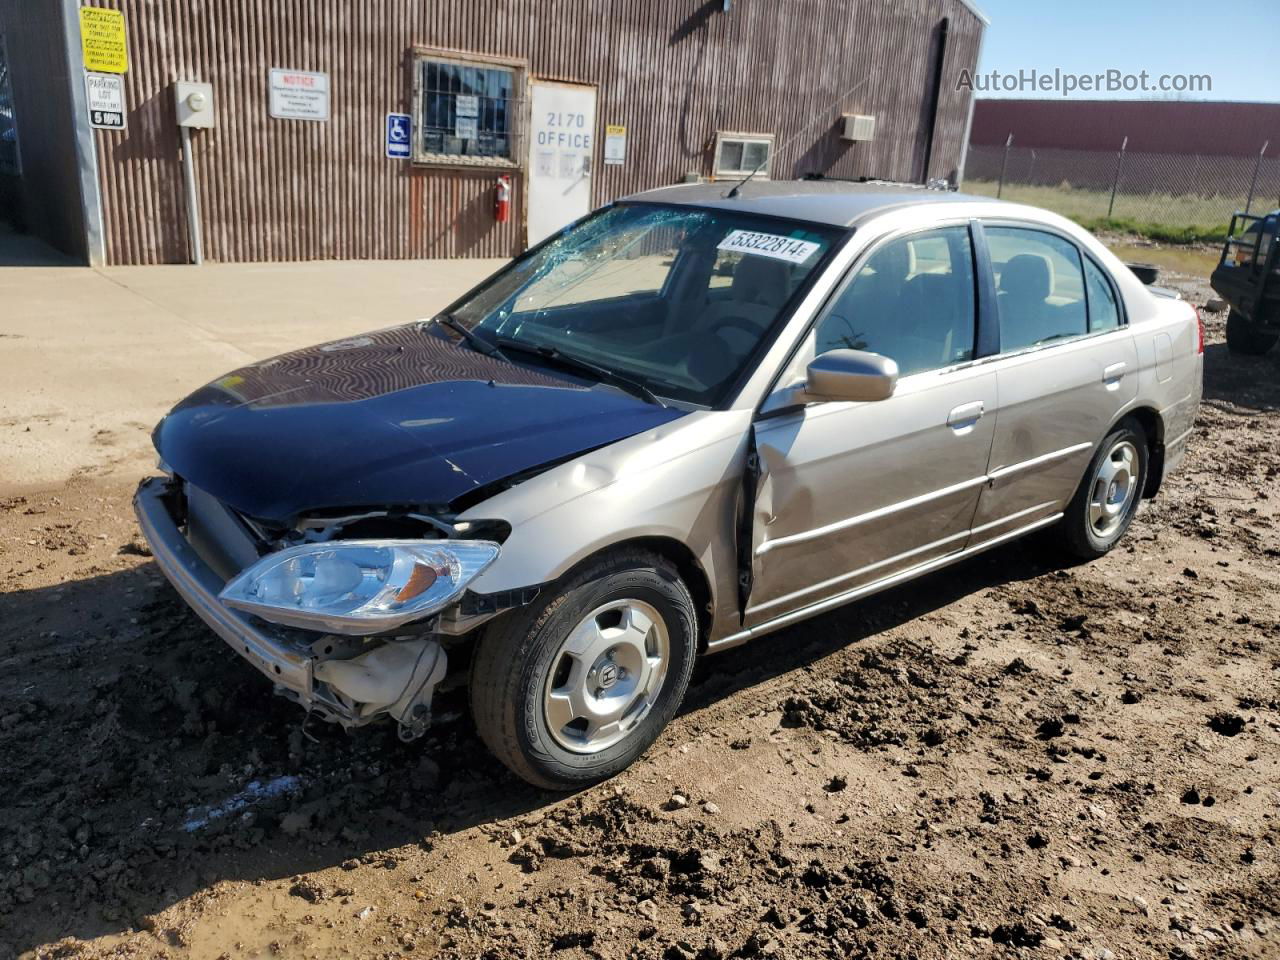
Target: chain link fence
{"type": "Point", "coordinates": [1185, 196]}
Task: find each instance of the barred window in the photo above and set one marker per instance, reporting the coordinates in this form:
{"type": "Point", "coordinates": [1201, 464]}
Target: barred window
{"type": "Point", "coordinates": [467, 111]}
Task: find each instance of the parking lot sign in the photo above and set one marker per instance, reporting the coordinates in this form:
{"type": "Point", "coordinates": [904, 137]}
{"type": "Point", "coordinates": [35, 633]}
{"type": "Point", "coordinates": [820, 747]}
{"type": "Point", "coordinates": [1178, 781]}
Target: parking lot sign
{"type": "Point", "coordinates": [399, 135]}
{"type": "Point", "coordinates": [104, 95]}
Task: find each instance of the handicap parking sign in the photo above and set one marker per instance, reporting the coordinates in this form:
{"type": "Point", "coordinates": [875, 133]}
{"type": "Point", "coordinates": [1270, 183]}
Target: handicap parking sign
{"type": "Point", "coordinates": [399, 127]}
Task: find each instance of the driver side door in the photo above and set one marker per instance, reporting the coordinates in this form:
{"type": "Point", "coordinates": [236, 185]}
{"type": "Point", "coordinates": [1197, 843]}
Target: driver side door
{"type": "Point", "coordinates": [852, 494]}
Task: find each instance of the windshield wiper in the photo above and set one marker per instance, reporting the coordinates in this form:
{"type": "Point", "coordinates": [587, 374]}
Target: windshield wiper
{"type": "Point", "coordinates": [477, 342]}
{"type": "Point", "coordinates": [603, 374]}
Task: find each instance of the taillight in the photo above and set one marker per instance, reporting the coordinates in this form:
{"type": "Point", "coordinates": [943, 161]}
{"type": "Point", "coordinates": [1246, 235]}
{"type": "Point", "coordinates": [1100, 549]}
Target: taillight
{"type": "Point", "coordinates": [1199, 330]}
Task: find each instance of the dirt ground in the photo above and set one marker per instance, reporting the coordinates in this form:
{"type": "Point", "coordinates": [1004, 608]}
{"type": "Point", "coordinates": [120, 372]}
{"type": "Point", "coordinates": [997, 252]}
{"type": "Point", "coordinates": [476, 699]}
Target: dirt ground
{"type": "Point", "coordinates": [1004, 758]}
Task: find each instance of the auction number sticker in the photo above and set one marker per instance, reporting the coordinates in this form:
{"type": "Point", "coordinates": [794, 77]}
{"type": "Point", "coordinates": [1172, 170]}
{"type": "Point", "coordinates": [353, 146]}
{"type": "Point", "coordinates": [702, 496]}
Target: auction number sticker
{"type": "Point", "coordinates": [768, 245]}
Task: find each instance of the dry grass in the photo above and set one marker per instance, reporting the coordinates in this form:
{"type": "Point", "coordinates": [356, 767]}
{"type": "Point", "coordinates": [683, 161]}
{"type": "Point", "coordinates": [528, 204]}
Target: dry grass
{"type": "Point", "coordinates": [1184, 218]}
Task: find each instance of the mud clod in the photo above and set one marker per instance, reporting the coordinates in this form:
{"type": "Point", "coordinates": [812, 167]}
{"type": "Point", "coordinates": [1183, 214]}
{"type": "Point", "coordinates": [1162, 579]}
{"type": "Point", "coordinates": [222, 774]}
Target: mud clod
{"type": "Point", "coordinates": [1227, 724]}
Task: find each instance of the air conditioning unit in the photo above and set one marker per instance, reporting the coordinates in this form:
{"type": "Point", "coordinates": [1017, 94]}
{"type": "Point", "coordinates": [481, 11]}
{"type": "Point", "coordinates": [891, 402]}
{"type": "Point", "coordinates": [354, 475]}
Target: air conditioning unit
{"type": "Point", "coordinates": [858, 126]}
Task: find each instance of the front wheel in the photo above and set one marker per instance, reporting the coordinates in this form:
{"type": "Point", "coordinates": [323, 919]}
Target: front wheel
{"type": "Point", "coordinates": [1108, 496]}
{"type": "Point", "coordinates": [572, 689]}
{"type": "Point", "coordinates": [1244, 338]}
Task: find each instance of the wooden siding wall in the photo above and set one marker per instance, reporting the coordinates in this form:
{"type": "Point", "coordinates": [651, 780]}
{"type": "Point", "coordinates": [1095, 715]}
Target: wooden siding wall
{"type": "Point", "coordinates": [49, 194]}
{"type": "Point", "coordinates": [673, 71]}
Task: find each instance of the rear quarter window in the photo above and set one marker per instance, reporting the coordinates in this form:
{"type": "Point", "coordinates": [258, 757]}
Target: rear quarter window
{"type": "Point", "coordinates": [1104, 311]}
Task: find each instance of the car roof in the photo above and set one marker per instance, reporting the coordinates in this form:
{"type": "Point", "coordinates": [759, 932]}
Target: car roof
{"type": "Point", "coordinates": [836, 202]}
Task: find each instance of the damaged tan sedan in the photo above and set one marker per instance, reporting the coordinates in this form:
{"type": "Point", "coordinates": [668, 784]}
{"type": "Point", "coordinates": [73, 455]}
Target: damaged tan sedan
{"type": "Point", "coordinates": [686, 421]}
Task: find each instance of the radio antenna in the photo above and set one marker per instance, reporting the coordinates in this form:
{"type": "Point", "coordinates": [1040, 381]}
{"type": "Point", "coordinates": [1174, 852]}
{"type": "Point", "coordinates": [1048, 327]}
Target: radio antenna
{"type": "Point", "coordinates": [738, 186]}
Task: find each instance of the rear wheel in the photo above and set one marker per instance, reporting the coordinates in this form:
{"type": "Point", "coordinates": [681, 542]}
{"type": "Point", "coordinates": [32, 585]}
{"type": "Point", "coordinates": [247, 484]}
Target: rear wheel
{"type": "Point", "coordinates": [1244, 338]}
{"type": "Point", "coordinates": [1108, 497]}
{"type": "Point", "coordinates": [572, 689]}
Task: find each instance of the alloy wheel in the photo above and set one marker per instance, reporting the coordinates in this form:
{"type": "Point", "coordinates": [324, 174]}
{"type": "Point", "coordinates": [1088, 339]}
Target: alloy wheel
{"type": "Point", "coordinates": [1115, 486]}
{"type": "Point", "coordinates": [606, 676]}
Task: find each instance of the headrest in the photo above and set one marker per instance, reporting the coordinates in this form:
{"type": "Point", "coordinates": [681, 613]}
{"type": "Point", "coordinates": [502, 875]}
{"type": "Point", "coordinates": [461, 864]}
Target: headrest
{"type": "Point", "coordinates": [892, 262]}
{"type": "Point", "coordinates": [1028, 276]}
{"type": "Point", "coordinates": [762, 280]}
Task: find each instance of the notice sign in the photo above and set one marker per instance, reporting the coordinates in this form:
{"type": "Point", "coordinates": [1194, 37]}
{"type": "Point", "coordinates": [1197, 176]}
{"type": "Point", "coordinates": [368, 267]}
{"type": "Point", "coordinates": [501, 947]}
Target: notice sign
{"type": "Point", "coordinates": [103, 40]}
{"type": "Point", "coordinates": [298, 95]}
{"type": "Point", "coordinates": [768, 245]}
{"type": "Point", "coordinates": [104, 94]}
{"type": "Point", "coordinates": [615, 143]}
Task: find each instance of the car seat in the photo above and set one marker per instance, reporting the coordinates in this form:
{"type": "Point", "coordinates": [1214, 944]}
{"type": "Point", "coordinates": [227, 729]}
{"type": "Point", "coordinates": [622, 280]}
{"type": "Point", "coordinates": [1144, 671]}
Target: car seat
{"type": "Point", "coordinates": [1025, 314]}
{"type": "Point", "coordinates": [760, 288]}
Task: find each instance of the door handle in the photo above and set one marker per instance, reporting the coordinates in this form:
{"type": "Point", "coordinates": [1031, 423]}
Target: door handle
{"type": "Point", "coordinates": [1113, 373]}
{"type": "Point", "coordinates": [966, 415]}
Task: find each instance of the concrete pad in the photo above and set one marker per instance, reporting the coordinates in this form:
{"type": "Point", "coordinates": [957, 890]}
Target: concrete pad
{"type": "Point", "coordinates": [91, 359]}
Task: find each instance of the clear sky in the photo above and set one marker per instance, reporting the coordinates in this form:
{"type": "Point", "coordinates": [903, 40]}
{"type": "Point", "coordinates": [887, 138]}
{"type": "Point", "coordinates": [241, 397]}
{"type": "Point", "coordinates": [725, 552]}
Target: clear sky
{"type": "Point", "coordinates": [1235, 42]}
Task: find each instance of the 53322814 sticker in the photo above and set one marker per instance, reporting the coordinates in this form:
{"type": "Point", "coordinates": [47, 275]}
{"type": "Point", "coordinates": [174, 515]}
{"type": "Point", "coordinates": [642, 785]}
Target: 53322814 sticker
{"type": "Point", "coordinates": [768, 245]}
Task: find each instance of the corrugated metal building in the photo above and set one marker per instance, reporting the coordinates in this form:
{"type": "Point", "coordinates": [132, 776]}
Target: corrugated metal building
{"type": "Point", "coordinates": [577, 102]}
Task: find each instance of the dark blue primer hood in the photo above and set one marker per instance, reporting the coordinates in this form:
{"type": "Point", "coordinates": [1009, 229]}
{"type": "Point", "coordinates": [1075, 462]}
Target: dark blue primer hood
{"type": "Point", "coordinates": [400, 417]}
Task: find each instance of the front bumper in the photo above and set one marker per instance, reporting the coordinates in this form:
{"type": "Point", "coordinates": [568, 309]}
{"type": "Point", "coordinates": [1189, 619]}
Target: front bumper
{"type": "Point", "coordinates": [281, 655]}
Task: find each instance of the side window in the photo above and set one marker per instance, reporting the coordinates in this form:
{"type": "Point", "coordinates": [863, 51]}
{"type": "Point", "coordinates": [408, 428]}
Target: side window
{"type": "Point", "coordinates": [740, 154]}
{"type": "Point", "coordinates": [723, 270]}
{"type": "Point", "coordinates": [1039, 287]}
{"type": "Point", "coordinates": [912, 301]}
{"type": "Point", "coordinates": [1104, 312]}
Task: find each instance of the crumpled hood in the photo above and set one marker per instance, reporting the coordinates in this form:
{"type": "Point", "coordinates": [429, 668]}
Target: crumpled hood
{"type": "Point", "coordinates": [400, 417]}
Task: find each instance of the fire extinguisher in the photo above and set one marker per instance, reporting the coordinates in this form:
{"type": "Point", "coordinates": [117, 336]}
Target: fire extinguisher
{"type": "Point", "coordinates": [502, 199]}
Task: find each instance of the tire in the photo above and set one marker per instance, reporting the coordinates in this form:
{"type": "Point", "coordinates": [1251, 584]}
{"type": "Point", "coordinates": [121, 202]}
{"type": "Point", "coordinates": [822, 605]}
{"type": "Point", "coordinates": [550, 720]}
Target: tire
{"type": "Point", "coordinates": [585, 642]}
{"type": "Point", "coordinates": [1246, 339]}
{"type": "Point", "coordinates": [1095, 520]}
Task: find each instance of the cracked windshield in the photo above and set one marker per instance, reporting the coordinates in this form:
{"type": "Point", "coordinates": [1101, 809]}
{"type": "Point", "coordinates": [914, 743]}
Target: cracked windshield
{"type": "Point", "coordinates": [673, 300]}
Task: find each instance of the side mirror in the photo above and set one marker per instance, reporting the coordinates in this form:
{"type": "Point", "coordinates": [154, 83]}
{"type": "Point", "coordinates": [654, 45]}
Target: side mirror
{"type": "Point", "coordinates": [854, 375]}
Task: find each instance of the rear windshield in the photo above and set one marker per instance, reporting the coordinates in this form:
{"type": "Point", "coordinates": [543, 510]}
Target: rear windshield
{"type": "Point", "coordinates": [678, 298]}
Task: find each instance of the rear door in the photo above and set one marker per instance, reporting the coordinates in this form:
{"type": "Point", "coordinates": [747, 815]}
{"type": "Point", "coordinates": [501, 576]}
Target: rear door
{"type": "Point", "coordinates": [852, 493]}
{"type": "Point", "coordinates": [1067, 368]}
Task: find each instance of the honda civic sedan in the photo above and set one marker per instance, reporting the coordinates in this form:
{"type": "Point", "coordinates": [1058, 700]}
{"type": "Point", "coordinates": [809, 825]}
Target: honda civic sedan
{"type": "Point", "coordinates": [688, 420]}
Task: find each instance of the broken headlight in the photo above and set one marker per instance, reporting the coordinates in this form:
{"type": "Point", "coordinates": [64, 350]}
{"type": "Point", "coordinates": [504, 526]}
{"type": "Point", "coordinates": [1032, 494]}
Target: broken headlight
{"type": "Point", "coordinates": [358, 586]}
